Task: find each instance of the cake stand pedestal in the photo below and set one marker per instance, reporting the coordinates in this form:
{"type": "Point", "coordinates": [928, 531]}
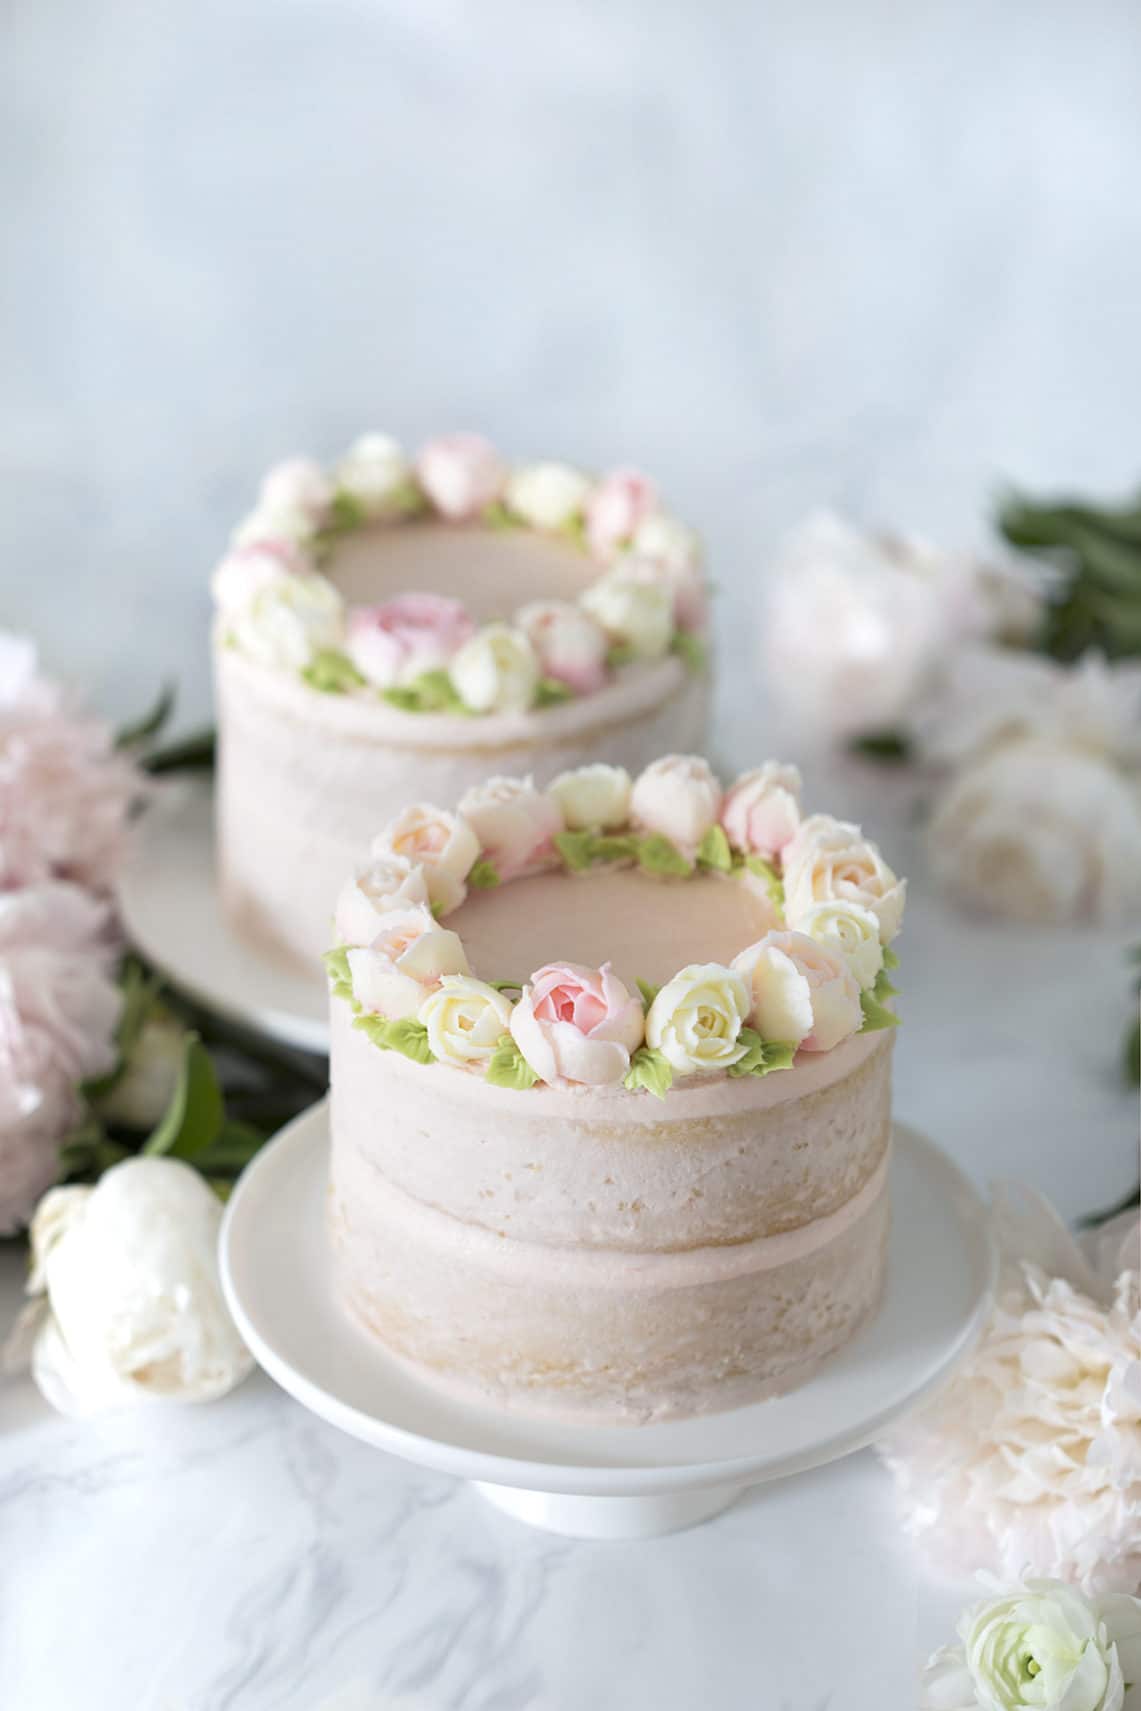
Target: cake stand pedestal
{"type": "Point", "coordinates": [169, 901]}
{"type": "Point", "coordinates": [601, 1482]}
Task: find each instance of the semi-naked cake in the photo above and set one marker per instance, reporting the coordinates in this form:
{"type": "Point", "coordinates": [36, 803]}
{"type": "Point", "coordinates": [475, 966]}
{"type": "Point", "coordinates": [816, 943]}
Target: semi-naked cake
{"type": "Point", "coordinates": [398, 629]}
{"type": "Point", "coordinates": [611, 1090]}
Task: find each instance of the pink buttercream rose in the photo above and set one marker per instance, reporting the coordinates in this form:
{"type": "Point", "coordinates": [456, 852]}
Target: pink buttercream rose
{"type": "Point", "coordinates": [570, 645]}
{"type": "Point", "coordinates": [461, 473]}
{"type": "Point", "coordinates": [621, 501]}
{"type": "Point", "coordinates": [678, 796]}
{"type": "Point", "coordinates": [761, 810]}
{"type": "Point", "coordinates": [577, 1024]}
{"type": "Point", "coordinates": [514, 822]}
{"type": "Point", "coordinates": [396, 642]}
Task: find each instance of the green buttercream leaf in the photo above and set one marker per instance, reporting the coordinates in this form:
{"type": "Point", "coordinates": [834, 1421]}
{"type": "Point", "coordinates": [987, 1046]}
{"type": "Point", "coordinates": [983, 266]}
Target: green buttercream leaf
{"type": "Point", "coordinates": [483, 876]}
{"type": "Point", "coordinates": [431, 692]}
{"type": "Point", "coordinates": [551, 692]}
{"type": "Point", "coordinates": [374, 1028]}
{"type": "Point", "coordinates": [340, 980]}
{"type": "Point", "coordinates": [765, 870]}
{"type": "Point", "coordinates": [411, 1038]}
{"type": "Point", "coordinates": [332, 673]}
{"type": "Point", "coordinates": [656, 854]}
{"type": "Point", "coordinates": [649, 992]}
{"type": "Point", "coordinates": [614, 846]}
{"type": "Point", "coordinates": [876, 1015]}
{"type": "Point", "coordinates": [621, 654]}
{"type": "Point", "coordinates": [713, 850]}
{"type": "Point", "coordinates": [762, 1056]}
{"type": "Point", "coordinates": [406, 699]}
{"type": "Point", "coordinates": [576, 849]}
{"type": "Point", "coordinates": [649, 1070]}
{"type": "Point", "coordinates": [506, 985]}
{"type": "Point", "coordinates": [574, 530]}
{"type": "Point", "coordinates": [497, 516]}
{"type": "Point", "coordinates": [508, 1067]}
{"type": "Point", "coordinates": [691, 650]}
{"type": "Point", "coordinates": [883, 988]}
{"type": "Point", "coordinates": [346, 512]}
{"type": "Point", "coordinates": [890, 957]}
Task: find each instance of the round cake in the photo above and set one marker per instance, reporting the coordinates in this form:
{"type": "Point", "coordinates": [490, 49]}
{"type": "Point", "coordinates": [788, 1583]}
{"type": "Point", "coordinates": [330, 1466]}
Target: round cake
{"type": "Point", "coordinates": [611, 1089]}
{"type": "Point", "coordinates": [400, 629]}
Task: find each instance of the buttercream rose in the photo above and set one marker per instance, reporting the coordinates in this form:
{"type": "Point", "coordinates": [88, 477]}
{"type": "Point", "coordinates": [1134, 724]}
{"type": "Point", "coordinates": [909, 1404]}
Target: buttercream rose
{"type": "Point", "coordinates": [390, 882]}
{"type": "Point", "coordinates": [761, 810]}
{"type": "Point", "coordinates": [461, 474]}
{"type": "Point", "coordinates": [801, 992]}
{"type": "Point", "coordinates": [465, 1018]}
{"type": "Point", "coordinates": [571, 647]}
{"type": "Point", "coordinates": [376, 473]}
{"type": "Point", "coordinates": [292, 504]}
{"type": "Point", "coordinates": [513, 821]}
{"type": "Point", "coordinates": [675, 552]}
{"type": "Point", "coordinates": [696, 1019]}
{"type": "Point", "coordinates": [396, 642]}
{"type": "Point", "coordinates": [497, 671]}
{"type": "Point", "coordinates": [246, 571]}
{"type": "Point", "coordinates": [829, 861]}
{"type": "Point", "coordinates": [288, 621]}
{"type": "Point", "coordinates": [621, 501]}
{"type": "Point", "coordinates": [678, 796]}
{"type": "Point", "coordinates": [635, 613]}
{"type": "Point", "coordinates": [595, 797]}
{"type": "Point", "coordinates": [577, 1024]}
{"type": "Point", "coordinates": [547, 495]}
{"type": "Point", "coordinates": [443, 844]}
{"type": "Point", "coordinates": [849, 929]}
{"type": "Point", "coordinates": [406, 959]}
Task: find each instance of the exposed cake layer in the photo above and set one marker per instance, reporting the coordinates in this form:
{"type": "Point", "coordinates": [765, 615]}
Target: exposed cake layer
{"type": "Point", "coordinates": [491, 571]}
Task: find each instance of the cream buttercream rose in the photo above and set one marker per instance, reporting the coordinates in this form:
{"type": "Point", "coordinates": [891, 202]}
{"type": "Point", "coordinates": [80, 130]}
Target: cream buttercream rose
{"type": "Point", "coordinates": [595, 797]}
{"type": "Point", "coordinates": [695, 1021]}
{"type": "Point", "coordinates": [831, 861]}
{"type": "Point", "coordinates": [497, 671]}
{"type": "Point", "coordinates": [465, 1018]}
{"type": "Point", "coordinates": [406, 958]}
{"type": "Point", "coordinates": [443, 844]}
{"type": "Point", "coordinates": [801, 992]}
{"type": "Point", "coordinates": [678, 796]}
{"type": "Point", "coordinates": [514, 822]}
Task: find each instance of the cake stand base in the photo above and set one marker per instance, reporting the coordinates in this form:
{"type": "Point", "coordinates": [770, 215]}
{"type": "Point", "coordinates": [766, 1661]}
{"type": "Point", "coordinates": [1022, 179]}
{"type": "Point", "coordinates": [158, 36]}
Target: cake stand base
{"type": "Point", "coordinates": [610, 1517]}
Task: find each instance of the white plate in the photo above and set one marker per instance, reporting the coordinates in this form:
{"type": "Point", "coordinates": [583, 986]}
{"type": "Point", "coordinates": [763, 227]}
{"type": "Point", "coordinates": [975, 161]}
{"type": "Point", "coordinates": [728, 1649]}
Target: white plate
{"type": "Point", "coordinates": [172, 912]}
{"type": "Point", "coordinates": [599, 1481]}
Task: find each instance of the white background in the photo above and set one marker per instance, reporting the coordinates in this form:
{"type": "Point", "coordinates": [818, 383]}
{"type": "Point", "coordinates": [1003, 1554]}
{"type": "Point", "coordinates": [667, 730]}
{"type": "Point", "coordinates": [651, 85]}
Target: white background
{"type": "Point", "coordinates": [883, 256]}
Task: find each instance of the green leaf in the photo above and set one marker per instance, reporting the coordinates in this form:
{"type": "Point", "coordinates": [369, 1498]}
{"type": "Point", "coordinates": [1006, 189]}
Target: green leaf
{"type": "Point", "coordinates": [574, 530]}
{"type": "Point", "coordinates": [713, 850]}
{"type": "Point", "coordinates": [1133, 1056]}
{"type": "Point", "coordinates": [883, 989]}
{"type": "Point", "coordinates": [332, 672]}
{"type": "Point", "coordinates": [410, 1037]}
{"type": "Point", "coordinates": [194, 1116]}
{"type": "Point", "coordinates": [151, 723]}
{"type": "Point", "coordinates": [374, 1028]}
{"type": "Point", "coordinates": [497, 516]}
{"type": "Point", "coordinates": [762, 1056]}
{"type": "Point", "coordinates": [621, 654]}
{"type": "Point", "coordinates": [506, 985]}
{"type": "Point", "coordinates": [576, 849]}
{"type": "Point", "coordinates": [656, 854]}
{"type": "Point", "coordinates": [192, 753]}
{"type": "Point", "coordinates": [484, 876]}
{"type": "Point", "coordinates": [88, 1151]}
{"type": "Point", "coordinates": [875, 1014]}
{"type": "Point", "coordinates": [551, 692]}
{"type": "Point", "coordinates": [649, 1071]}
{"type": "Point", "coordinates": [765, 870]}
{"type": "Point", "coordinates": [893, 747]}
{"type": "Point", "coordinates": [691, 650]}
{"type": "Point", "coordinates": [346, 512]}
{"type": "Point", "coordinates": [340, 979]}
{"type": "Point", "coordinates": [406, 699]}
{"type": "Point", "coordinates": [649, 992]}
{"type": "Point", "coordinates": [231, 1149]}
{"type": "Point", "coordinates": [614, 846]}
{"type": "Point", "coordinates": [432, 692]}
{"type": "Point", "coordinates": [890, 957]}
{"type": "Point", "coordinates": [507, 1067]}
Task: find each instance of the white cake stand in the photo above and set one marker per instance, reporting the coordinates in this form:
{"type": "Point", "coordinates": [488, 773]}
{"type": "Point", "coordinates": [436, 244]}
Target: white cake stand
{"type": "Point", "coordinates": [600, 1482]}
{"type": "Point", "coordinates": [171, 909]}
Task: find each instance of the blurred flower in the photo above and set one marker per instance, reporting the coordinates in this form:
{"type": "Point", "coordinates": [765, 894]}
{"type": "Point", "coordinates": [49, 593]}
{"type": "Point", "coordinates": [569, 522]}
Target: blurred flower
{"type": "Point", "coordinates": [400, 639]}
{"type": "Point", "coordinates": [144, 1089]}
{"type": "Point", "coordinates": [376, 474]}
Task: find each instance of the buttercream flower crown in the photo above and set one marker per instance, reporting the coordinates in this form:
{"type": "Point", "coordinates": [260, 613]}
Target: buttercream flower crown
{"type": "Point", "coordinates": [818, 976]}
{"type": "Point", "coordinates": [423, 653]}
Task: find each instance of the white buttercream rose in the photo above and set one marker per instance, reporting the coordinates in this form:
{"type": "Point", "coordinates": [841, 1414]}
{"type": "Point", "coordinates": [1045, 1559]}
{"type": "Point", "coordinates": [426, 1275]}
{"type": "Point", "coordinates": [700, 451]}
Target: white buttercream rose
{"type": "Point", "coordinates": [245, 571]}
{"type": "Point", "coordinates": [497, 671]}
{"type": "Point", "coordinates": [404, 961]}
{"type": "Point", "coordinates": [461, 474]}
{"type": "Point", "coordinates": [513, 821]}
{"type": "Point", "coordinates": [292, 504]}
{"type": "Point", "coordinates": [801, 992]}
{"type": "Point", "coordinates": [667, 542]}
{"type": "Point", "coordinates": [465, 1019]}
{"type": "Point", "coordinates": [387, 883]}
{"type": "Point", "coordinates": [577, 1024]}
{"type": "Point", "coordinates": [851, 930]}
{"type": "Point", "coordinates": [696, 1019]}
{"type": "Point", "coordinates": [570, 645]}
{"type": "Point", "coordinates": [635, 613]}
{"type": "Point", "coordinates": [761, 809]}
{"type": "Point", "coordinates": [443, 844]}
{"type": "Point", "coordinates": [593, 797]}
{"type": "Point", "coordinates": [831, 861]}
{"type": "Point", "coordinates": [547, 495]}
{"type": "Point", "coordinates": [377, 474]}
{"type": "Point", "coordinates": [288, 621]}
{"type": "Point", "coordinates": [678, 796]}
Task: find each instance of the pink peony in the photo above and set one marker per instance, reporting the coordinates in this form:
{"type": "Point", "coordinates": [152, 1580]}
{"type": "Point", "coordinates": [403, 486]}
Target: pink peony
{"type": "Point", "coordinates": [461, 473]}
{"type": "Point", "coordinates": [761, 810]}
{"type": "Point", "coordinates": [571, 646]}
{"type": "Point", "coordinates": [394, 643]}
{"type": "Point", "coordinates": [577, 1024]}
{"type": "Point", "coordinates": [58, 1010]}
{"type": "Point", "coordinates": [614, 510]}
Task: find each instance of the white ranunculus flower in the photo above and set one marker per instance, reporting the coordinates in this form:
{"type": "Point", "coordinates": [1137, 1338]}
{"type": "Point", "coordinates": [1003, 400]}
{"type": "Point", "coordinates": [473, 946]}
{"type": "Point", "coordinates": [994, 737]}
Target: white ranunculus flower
{"type": "Point", "coordinates": [678, 796]}
{"type": "Point", "coordinates": [465, 1018]}
{"type": "Point", "coordinates": [132, 1309]}
{"type": "Point", "coordinates": [595, 796]}
{"type": "Point", "coordinates": [851, 930]}
{"type": "Point", "coordinates": [1039, 832]}
{"type": "Point", "coordinates": [442, 844]}
{"type": "Point", "coordinates": [696, 1019]}
{"type": "Point", "coordinates": [376, 473]}
{"type": "Point", "coordinates": [1043, 1647]}
{"type": "Point", "coordinates": [497, 671]}
{"type": "Point", "coordinates": [830, 861]}
{"type": "Point", "coordinates": [635, 613]}
{"type": "Point", "coordinates": [288, 621]}
{"type": "Point", "coordinates": [387, 883]}
{"type": "Point", "coordinates": [404, 961]}
{"type": "Point", "coordinates": [547, 495]}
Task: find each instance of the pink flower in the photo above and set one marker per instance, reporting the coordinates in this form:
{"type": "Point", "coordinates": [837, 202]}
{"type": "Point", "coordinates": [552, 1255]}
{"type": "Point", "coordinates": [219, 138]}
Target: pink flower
{"type": "Point", "coordinates": [461, 473]}
{"type": "Point", "coordinates": [802, 992]}
{"type": "Point", "coordinates": [394, 643]}
{"type": "Point", "coordinates": [571, 646]}
{"type": "Point", "coordinates": [58, 1010]}
{"type": "Point", "coordinates": [406, 960]}
{"type": "Point", "coordinates": [577, 1024]}
{"type": "Point", "coordinates": [614, 510]}
{"type": "Point", "coordinates": [678, 796]}
{"type": "Point", "coordinates": [761, 811]}
{"type": "Point", "coordinates": [514, 822]}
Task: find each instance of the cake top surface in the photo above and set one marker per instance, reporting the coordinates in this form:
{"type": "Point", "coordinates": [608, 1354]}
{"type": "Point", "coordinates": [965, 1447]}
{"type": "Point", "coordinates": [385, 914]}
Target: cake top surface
{"type": "Point", "coordinates": [609, 932]}
{"type": "Point", "coordinates": [453, 583]}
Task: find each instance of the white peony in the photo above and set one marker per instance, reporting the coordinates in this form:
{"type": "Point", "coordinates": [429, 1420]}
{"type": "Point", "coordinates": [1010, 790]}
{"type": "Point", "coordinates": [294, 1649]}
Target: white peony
{"type": "Point", "coordinates": [376, 473]}
{"type": "Point", "coordinates": [696, 1019]}
{"type": "Point", "coordinates": [1041, 1647]}
{"type": "Point", "coordinates": [288, 621]}
{"type": "Point", "coordinates": [132, 1307]}
{"type": "Point", "coordinates": [849, 929]}
{"type": "Point", "coordinates": [405, 960]}
{"type": "Point", "coordinates": [678, 796]}
{"type": "Point", "coordinates": [443, 844]}
{"type": "Point", "coordinates": [831, 861]}
{"type": "Point", "coordinates": [497, 671]}
{"type": "Point", "coordinates": [513, 821]}
{"type": "Point", "coordinates": [635, 613]}
{"type": "Point", "coordinates": [800, 992]}
{"type": "Point", "coordinates": [547, 495]}
{"type": "Point", "coordinates": [1040, 833]}
{"type": "Point", "coordinates": [595, 797]}
{"type": "Point", "coordinates": [387, 883]}
{"type": "Point", "coordinates": [465, 1019]}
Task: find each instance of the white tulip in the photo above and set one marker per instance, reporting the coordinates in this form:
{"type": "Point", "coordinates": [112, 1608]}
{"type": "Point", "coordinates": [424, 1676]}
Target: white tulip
{"type": "Point", "coordinates": [497, 671]}
{"type": "Point", "coordinates": [678, 796]}
{"type": "Point", "coordinates": [595, 796]}
{"type": "Point", "coordinates": [547, 495]}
